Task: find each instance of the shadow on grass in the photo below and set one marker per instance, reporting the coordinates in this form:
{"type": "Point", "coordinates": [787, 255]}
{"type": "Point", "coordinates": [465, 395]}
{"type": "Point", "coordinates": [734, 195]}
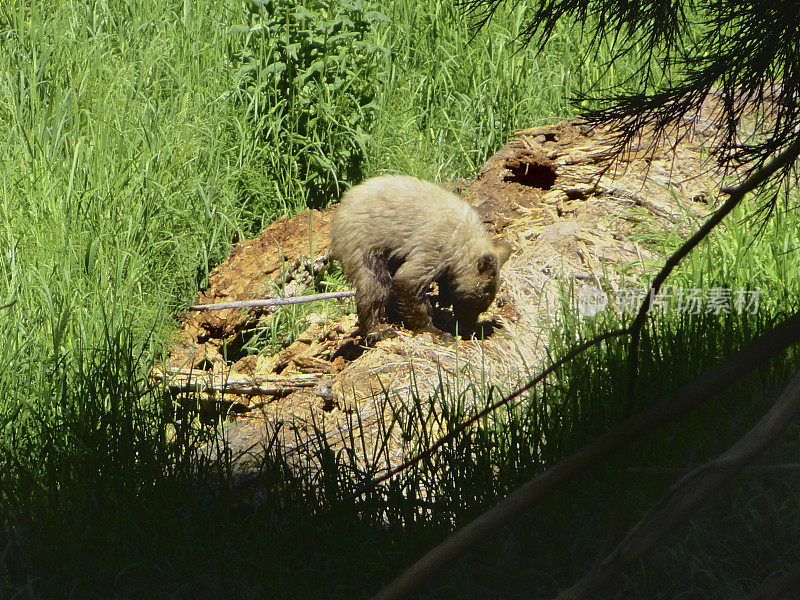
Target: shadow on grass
{"type": "Point", "coordinates": [104, 495]}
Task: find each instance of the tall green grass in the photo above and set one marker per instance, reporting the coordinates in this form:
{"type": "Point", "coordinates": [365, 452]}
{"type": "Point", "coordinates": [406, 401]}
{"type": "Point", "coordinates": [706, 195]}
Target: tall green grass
{"type": "Point", "coordinates": [746, 252]}
{"type": "Point", "coordinates": [117, 191]}
{"type": "Point", "coordinates": [117, 197]}
{"type": "Point", "coordinates": [453, 94]}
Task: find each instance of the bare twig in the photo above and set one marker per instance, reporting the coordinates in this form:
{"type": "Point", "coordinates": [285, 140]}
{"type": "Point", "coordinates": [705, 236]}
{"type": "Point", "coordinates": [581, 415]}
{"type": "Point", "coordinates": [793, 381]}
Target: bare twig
{"type": "Point", "coordinates": [737, 194]}
{"type": "Point", "coordinates": [691, 492]}
{"type": "Point", "coordinates": [183, 380]}
{"type": "Point", "coordinates": [523, 498]}
{"type": "Point", "coordinates": [274, 301]}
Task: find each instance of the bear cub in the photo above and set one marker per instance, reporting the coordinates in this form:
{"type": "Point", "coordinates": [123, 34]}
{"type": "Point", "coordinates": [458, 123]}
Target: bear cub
{"type": "Point", "coordinates": [396, 235]}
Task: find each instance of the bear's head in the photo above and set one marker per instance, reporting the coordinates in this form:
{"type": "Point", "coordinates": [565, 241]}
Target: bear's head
{"type": "Point", "coordinates": [473, 289]}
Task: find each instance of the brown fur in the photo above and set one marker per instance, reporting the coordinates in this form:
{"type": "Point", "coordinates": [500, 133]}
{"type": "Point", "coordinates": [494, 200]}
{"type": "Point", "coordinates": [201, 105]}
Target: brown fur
{"type": "Point", "coordinates": [396, 235]}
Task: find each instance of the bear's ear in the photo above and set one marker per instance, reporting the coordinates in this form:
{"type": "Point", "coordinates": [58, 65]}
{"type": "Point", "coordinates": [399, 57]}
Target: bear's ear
{"type": "Point", "coordinates": [486, 262]}
{"type": "Point", "coordinates": [503, 251]}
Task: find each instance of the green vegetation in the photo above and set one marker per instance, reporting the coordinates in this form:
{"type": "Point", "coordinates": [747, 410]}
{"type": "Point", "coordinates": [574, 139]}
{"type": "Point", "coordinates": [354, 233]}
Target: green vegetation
{"type": "Point", "coordinates": [138, 138]}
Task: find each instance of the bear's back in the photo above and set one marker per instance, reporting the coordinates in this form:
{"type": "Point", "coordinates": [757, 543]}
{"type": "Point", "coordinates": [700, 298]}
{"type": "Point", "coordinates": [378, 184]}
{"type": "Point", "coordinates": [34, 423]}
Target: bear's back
{"type": "Point", "coordinates": [394, 211]}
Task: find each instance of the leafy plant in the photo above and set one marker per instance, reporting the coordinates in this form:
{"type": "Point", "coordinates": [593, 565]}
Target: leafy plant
{"type": "Point", "coordinates": [308, 81]}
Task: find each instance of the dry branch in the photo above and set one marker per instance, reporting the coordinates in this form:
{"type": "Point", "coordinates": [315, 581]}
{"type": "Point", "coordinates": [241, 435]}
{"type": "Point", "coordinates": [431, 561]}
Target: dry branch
{"type": "Point", "coordinates": [737, 193]}
{"type": "Point", "coordinates": [691, 492]}
{"type": "Point", "coordinates": [523, 498]}
{"type": "Point", "coordinates": [184, 380]}
{"type": "Point", "coordinates": [274, 301]}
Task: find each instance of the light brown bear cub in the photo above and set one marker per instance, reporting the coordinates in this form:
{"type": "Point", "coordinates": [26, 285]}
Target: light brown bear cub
{"type": "Point", "coordinates": [396, 235]}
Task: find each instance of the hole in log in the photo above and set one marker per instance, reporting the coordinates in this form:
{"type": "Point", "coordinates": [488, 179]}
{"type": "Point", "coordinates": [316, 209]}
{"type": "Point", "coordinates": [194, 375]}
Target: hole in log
{"type": "Point", "coordinates": [531, 169]}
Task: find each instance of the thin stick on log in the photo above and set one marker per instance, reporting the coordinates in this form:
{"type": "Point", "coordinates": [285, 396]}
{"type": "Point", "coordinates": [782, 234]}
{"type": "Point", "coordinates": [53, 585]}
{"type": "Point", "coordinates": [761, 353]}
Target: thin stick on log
{"type": "Point", "coordinates": [690, 493]}
{"type": "Point", "coordinates": [274, 301]}
{"type": "Point", "coordinates": [524, 497]}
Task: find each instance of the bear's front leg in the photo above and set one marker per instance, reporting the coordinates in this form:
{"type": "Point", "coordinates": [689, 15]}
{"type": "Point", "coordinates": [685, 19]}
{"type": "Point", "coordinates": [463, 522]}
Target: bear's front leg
{"type": "Point", "coordinates": [409, 285]}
